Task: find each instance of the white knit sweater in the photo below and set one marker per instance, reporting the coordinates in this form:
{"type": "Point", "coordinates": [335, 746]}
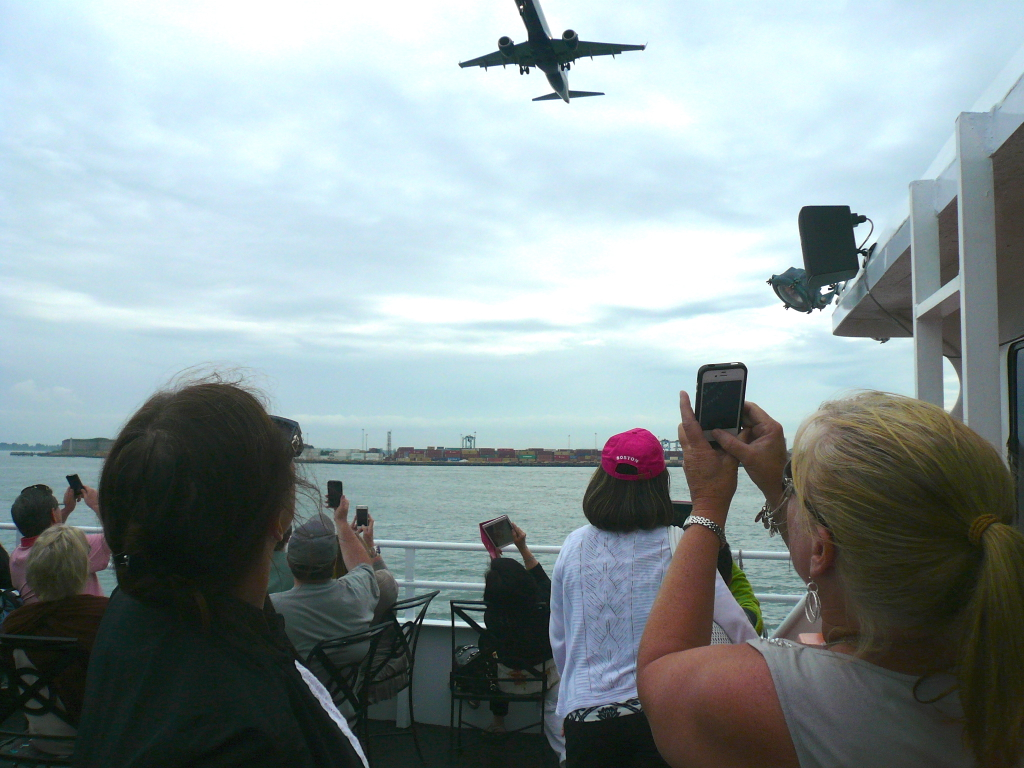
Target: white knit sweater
{"type": "Point", "coordinates": [602, 591]}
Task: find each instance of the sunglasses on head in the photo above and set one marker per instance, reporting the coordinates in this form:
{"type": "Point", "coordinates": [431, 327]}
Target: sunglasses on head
{"type": "Point", "coordinates": [292, 433]}
{"type": "Point", "coordinates": [38, 487]}
{"type": "Point", "coordinates": [787, 480]}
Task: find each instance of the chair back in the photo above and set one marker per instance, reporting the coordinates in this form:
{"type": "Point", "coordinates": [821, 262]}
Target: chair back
{"type": "Point", "coordinates": [10, 600]}
{"type": "Point", "coordinates": [33, 688]}
{"type": "Point", "coordinates": [347, 681]}
{"type": "Point", "coordinates": [532, 679]}
{"type": "Point", "coordinates": [411, 628]}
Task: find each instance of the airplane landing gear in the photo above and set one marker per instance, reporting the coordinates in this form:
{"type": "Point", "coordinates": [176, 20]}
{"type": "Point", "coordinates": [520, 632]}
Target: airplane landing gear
{"type": "Point", "coordinates": [524, 70]}
{"type": "Point", "coordinates": [564, 67]}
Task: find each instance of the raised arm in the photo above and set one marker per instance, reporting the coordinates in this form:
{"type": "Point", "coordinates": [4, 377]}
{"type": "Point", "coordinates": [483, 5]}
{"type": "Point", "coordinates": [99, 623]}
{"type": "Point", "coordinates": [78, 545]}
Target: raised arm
{"type": "Point", "coordinates": [519, 539]}
{"type": "Point", "coordinates": [353, 552]}
{"type": "Point", "coordinates": [707, 705]}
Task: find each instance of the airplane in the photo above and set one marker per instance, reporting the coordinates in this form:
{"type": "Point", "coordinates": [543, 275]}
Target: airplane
{"type": "Point", "coordinates": [552, 55]}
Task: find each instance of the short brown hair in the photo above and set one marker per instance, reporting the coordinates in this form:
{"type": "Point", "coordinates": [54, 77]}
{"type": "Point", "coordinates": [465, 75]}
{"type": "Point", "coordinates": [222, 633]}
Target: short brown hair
{"type": "Point", "coordinates": [58, 563]}
{"type": "Point", "coordinates": [190, 489]}
{"type": "Point", "coordinates": [624, 506]}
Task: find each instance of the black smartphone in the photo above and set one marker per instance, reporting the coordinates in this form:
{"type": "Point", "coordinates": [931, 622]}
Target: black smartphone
{"type": "Point", "coordinates": [76, 485]}
{"type": "Point", "coordinates": [680, 511]}
{"type": "Point", "coordinates": [721, 391]}
{"type": "Point", "coordinates": [362, 516]}
{"type": "Point", "coordinates": [334, 493]}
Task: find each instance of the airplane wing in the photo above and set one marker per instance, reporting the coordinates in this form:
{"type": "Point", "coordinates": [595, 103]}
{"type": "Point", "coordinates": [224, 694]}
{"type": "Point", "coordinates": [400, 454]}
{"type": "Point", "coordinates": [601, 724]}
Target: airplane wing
{"type": "Point", "coordinates": [522, 55]}
{"type": "Point", "coordinates": [584, 49]}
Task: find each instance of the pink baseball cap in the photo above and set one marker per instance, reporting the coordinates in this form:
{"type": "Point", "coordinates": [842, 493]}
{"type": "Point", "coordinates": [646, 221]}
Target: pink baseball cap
{"type": "Point", "coordinates": [637, 448]}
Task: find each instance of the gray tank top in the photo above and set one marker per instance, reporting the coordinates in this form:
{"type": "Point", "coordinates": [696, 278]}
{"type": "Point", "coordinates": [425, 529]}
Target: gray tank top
{"type": "Point", "coordinates": [843, 711]}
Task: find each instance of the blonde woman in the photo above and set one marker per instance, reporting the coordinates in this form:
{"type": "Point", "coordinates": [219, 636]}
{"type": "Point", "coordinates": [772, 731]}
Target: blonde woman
{"type": "Point", "coordinates": [58, 572]}
{"type": "Point", "coordinates": [898, 518]}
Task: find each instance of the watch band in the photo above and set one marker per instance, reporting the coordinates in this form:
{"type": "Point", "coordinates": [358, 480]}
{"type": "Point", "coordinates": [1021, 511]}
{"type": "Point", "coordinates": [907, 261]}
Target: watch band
{"type": "Point", "coordinates": [711, 525]}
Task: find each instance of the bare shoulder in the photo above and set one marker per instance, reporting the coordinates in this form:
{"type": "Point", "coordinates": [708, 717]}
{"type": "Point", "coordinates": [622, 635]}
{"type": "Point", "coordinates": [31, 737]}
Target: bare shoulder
{"type": "Point", "coordinates": [716, 706]}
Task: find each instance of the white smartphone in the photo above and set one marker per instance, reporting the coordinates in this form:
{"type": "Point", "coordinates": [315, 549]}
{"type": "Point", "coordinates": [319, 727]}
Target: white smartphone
{"type": "Point", "coordinates": [721, 390]}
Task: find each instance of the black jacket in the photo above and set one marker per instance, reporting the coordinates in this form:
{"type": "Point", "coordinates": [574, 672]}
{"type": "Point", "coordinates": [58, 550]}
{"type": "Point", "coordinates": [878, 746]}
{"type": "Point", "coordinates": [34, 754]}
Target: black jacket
{"type": "Point", "coordinates": [519, 633]}
{"type": "Point", "coordinates": [162, 692]}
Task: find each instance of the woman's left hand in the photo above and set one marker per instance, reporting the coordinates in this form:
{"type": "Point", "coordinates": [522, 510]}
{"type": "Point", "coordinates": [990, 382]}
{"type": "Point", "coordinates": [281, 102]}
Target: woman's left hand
{"type": "Point", "coordinates": [710, 473]}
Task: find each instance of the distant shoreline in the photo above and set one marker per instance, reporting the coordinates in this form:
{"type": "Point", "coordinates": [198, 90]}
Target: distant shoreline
{"type": "Point", "coordinates": [528, 464]}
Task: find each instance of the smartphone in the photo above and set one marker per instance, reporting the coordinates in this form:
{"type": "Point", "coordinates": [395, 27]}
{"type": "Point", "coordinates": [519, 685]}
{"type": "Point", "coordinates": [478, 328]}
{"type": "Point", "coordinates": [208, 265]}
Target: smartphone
{"type": "Point", "coordinates": [680, 511]}
{"type": "Point", "coordinates": [721, 390]}
{"type": "Point", "coordinates": [334, 493]}
{"type": "Point", "coordinates": [362, 516]}
{"type": "Point", "coordinates": [499, 531]}
{"type": "Point", "coordinates": [76, 485]}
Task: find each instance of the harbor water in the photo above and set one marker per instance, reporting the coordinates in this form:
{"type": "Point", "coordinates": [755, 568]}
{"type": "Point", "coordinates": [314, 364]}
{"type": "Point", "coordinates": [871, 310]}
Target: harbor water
{"type": "Point", "coordinates": [446, 503]}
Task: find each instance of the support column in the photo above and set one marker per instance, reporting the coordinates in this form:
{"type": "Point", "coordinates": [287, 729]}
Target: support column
{"type": "Point", "coordinates": [924, 260]}
{"type": "Point", "coordinates": [979, 311]}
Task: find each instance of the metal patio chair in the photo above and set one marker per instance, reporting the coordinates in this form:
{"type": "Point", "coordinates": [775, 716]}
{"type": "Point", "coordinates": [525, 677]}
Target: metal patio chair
{"type": "Point", "coordinates": [472, 687]}
{"type": "Point", "coordinates": [50, 737]}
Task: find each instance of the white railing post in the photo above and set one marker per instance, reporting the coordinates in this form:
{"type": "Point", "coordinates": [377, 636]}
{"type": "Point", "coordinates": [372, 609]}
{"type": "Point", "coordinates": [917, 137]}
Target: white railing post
{"type": "Point", "coordinates": [410, 577]}
{"type": "Point", "coordinates": [979, 308]}
{"type": "Point", "coordinates": [924, 260]}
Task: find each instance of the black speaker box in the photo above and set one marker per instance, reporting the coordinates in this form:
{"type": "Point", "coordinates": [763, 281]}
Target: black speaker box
{"type": "Point", "coordinates": [826, 237]}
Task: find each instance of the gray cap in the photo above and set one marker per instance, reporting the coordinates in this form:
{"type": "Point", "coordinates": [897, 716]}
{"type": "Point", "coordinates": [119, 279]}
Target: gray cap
{"type": "Point", "coordinates": [313, 543]}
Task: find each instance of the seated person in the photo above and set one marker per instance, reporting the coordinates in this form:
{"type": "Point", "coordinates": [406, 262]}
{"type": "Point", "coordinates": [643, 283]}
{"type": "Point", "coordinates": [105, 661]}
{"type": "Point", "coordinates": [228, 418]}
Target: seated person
{"type": "Point", "coordinates": [280, 575]}
{"type": "Point", "coordinates": [319, 606]}
{"type": "Point", "coordinates": [33, 512]}
{"type": "Point", "coordinates": [516, 618]}
{"type": "Point", "coordinates": [58, 570]}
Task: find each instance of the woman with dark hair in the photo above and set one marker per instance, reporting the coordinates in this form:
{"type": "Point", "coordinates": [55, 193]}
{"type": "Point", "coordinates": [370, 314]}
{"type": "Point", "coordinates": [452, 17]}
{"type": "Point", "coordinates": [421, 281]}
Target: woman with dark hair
{"type": "Point", "coordinates": [517, 615]}
{"type": "Point", "coordinates": [603, 586]}
{"type": "Point", "coordinates": [191, 666]}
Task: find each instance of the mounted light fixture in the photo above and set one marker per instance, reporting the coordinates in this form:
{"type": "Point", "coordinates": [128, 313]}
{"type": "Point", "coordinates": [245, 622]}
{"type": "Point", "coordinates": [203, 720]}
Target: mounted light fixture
{"type": "Point", "coordinates": [791, 286]}
{"type": "Point", "coordinates": [830, 257]}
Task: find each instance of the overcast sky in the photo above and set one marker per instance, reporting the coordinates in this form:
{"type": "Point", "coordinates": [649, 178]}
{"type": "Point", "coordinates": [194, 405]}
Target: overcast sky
{"type": "Point", "coordinates": [318, 193]}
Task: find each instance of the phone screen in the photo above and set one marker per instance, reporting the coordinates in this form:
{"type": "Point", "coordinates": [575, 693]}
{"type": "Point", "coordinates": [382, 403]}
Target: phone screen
{"type": "Point", "coordinates": [334, 493]}
{"type": "Point", "coordinates": [500, 532]}
{"type": "Point", "coordinates": [720, 404]}
{"type": "Point", "coordinates": [362, 516]}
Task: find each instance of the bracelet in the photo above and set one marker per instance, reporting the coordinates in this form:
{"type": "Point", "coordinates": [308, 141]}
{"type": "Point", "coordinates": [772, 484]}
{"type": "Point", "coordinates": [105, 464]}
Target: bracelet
{"type": "Point", "coordinates": [711, 525]}
{"type": "Point", "coordinates": [767, 516]}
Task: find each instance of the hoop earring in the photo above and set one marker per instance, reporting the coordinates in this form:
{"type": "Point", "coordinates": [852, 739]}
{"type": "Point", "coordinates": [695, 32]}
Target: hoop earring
{"type": "Point", "coordinates": [812, 607]}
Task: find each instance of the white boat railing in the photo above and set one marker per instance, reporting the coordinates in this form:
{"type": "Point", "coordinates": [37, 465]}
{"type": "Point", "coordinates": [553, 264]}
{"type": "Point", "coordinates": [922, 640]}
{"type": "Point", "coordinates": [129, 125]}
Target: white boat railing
{"type": "Point", "coordinates": [410, 583]}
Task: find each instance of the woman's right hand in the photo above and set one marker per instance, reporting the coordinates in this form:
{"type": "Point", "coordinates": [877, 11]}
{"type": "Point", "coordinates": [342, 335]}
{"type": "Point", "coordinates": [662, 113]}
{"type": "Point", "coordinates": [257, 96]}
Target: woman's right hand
{"type": "Point", "coordinates": [710, 473]}
{"type": "Point", "coordinates": [518, 536]}
{"type": "Point", "coordinates": [761, 449]}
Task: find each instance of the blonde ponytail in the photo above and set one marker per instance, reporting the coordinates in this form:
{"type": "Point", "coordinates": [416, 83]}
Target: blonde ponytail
{"type": "Point", "coordinates": [920, 509]}
{"type": "Point", "coordinates": [991, 670]}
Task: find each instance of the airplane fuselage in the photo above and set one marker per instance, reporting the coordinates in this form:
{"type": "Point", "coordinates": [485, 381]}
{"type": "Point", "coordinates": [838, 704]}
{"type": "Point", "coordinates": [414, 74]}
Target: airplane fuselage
{"type": "Point", "coordinates": [540, 43]}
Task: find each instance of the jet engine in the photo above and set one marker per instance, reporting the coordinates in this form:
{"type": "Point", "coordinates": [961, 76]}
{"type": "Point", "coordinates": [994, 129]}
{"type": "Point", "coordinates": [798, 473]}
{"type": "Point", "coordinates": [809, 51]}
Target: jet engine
{"type": "Point", "coordinates": [506, 47]}
{"type": "Point", "coordinates": [571, 39]}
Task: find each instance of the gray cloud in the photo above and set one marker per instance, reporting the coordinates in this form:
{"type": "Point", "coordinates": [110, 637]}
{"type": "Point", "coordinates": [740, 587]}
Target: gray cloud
{"type": "Point", "coordinates": [169, 197]}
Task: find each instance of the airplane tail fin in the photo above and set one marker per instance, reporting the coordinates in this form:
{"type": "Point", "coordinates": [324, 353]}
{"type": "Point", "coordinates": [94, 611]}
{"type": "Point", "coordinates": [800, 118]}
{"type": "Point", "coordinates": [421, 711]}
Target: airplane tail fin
{"type": "Point", "coordinates": [572, 95]}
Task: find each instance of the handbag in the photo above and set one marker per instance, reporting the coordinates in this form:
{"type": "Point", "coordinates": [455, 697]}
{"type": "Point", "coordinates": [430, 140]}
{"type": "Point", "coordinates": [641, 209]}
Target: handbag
{"type": "Point", "coordinates": [471, 671]}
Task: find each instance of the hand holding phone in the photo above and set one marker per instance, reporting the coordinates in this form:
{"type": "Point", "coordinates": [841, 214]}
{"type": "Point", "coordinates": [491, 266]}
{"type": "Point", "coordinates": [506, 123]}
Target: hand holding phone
{"type": "Point", "coordinates": [75, 483]}
{"type": "Point", "coordinates": [721, 391]}
{"type": "Point", "coordinates": [334, 493]}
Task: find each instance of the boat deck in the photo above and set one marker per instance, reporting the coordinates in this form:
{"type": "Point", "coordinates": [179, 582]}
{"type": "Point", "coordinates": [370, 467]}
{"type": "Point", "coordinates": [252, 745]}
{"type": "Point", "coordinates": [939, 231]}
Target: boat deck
{"type": "Point", "coordinates": [517, 749]}
{"type": "Point", "coordinates": [394, 749]}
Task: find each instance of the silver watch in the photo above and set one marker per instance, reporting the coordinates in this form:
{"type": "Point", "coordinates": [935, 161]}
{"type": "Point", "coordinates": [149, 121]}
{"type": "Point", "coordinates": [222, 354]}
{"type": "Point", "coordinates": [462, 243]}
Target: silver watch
{"type": "Point", "coordinates": [711, 525]}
